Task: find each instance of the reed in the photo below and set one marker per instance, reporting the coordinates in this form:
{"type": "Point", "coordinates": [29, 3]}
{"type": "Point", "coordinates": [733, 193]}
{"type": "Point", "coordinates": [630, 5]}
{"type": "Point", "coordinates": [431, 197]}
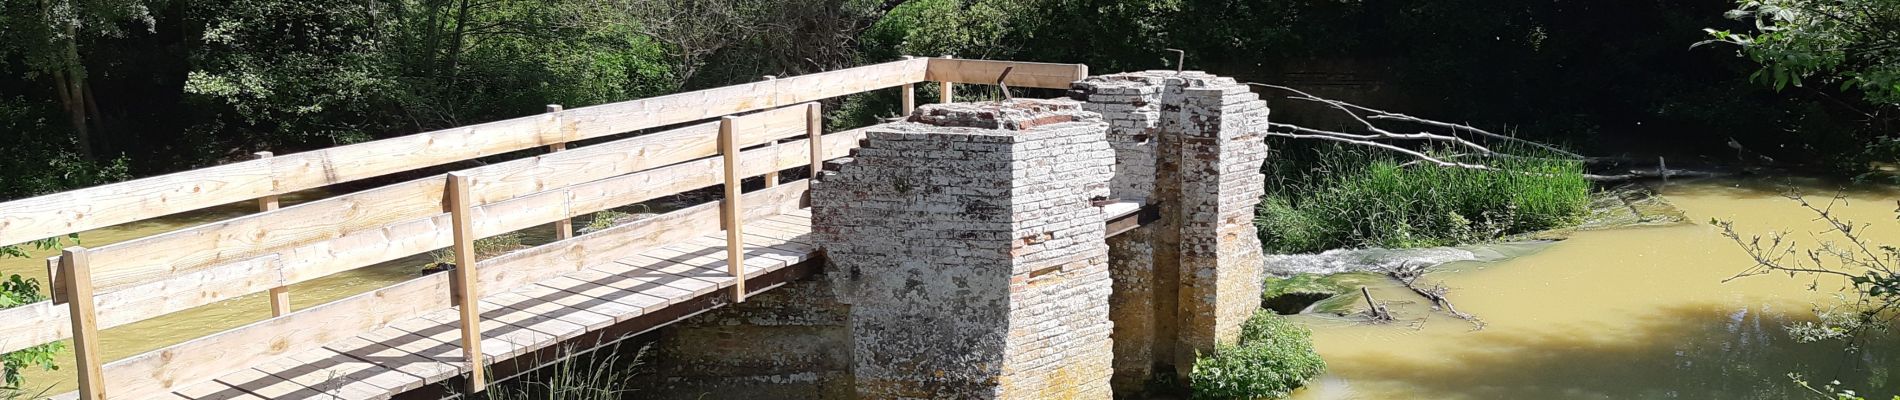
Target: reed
{"type": "Point", "coordinates": [1325, 197]}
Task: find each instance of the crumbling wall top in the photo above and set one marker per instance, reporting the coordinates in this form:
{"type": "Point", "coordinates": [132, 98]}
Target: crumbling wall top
{"type": "Point", "coordinates": [1009, 115]}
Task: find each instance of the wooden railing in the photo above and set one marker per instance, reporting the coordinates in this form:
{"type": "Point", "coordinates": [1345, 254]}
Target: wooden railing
{"type": "Point", "coordinates": [136, 280]}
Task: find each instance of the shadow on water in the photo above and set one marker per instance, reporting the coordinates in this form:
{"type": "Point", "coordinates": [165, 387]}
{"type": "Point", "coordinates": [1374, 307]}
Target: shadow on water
{"type": "Point", "coordinates": [1677, 352]}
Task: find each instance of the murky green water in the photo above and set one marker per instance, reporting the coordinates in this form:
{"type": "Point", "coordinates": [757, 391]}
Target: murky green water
{"type": "Point", "coordinates": [1637, 313]}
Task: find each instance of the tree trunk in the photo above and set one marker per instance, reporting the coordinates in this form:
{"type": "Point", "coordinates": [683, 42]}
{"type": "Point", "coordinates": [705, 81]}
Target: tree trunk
{"type": "Point", "coordinates": [455, 46]}
{"type": "Point", "coordinates": [71, 79]}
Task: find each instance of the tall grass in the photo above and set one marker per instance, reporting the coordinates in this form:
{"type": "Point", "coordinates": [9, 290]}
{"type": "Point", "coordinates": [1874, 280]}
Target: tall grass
{"type": "Point", "coordinates": [1327, 196]}
{"type": "Point", "coordinates": [599, 375]}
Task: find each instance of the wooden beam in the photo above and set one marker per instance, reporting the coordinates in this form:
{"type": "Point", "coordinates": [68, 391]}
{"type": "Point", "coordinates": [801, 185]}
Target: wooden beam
{"type": "Point", "coordinates": [771, 178]}
{"type": "Point", "coordinates": [279, 296]}
{"type": "Point", "coordinates": [909, 102]}
{"type": "Point", "coordinates": [814, 135]}
{"type": "Point", "coordinates": [106, 205]}
{"type": "Point", "coordinates": [946, 91]}
{"type": "Point", "coordinates": [202, 359]}
{"type": "Point", "coordinates": [729, 207]}
{"type": "Point", "coordinates": [42, 322]}
{"type": "Point", "coordinates": [563, 228]}
{"type": "Point", "coordinates": [465, 289]}
{"type": "Point", "coordinates": [78, 276]}
{"type": "Point", "coordinates": [152, 258]}
{"type": "Point", "coordinates": [1022, 74]}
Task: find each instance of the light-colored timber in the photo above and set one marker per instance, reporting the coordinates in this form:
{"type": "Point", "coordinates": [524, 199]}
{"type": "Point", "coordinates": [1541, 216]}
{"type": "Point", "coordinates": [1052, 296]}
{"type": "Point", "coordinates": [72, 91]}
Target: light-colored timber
{"type": "Point", "coordinates": [729, 136]}
{"type": "Point", "coordinates": [76, 272]}
{"type": "Point", "coordinates": [465, 289]}
{"type": "Point", "coordinates": [416, 334]}
{"type": "Point", "coordinates": [42, 323]}
{"type": "Point", "coordinates": [563, 228]}
{"type": "Point", "coordinates": [280, 295]}
{"type": "Point", "coordinates": [106, 205]}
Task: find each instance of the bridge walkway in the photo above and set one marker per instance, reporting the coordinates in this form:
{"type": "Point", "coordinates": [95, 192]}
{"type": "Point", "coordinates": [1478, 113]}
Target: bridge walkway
{"type": "Point", "coordinates": [410, 354]}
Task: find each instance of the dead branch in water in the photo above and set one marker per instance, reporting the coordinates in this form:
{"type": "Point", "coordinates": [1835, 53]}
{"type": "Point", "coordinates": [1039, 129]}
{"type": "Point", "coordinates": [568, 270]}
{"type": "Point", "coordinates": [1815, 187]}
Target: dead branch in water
{"type": "Point", "coordinates": [1408, 274]}
{"type": "Point", "coordinates": [1373, 309]}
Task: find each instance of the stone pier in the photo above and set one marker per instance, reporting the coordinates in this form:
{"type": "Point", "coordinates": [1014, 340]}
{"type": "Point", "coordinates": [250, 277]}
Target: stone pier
{"type": "Point", "coordinates": [1190, 144]}
{"type": "Point", "coordinates": [966, 256]}
{"type": "Point", "coordinates": [968, 247]}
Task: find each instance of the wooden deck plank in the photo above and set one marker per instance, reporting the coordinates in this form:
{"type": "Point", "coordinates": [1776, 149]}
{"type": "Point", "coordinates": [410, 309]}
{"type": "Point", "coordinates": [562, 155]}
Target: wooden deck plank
{"type": "Point", "coordinates": [214, 390]}
{"type": "Point", "coordinates": [551, 327]}
{"type": "Point", "coordinates": [414, 368]}
{"type": "Point", "coordinates": [442, 326]}
{"type": "Point", "coordinates": [270, 386]}
{"type": "Point", "coordinates": [613, 288]}
{"type": "Point", "coordinates": [599, 313]}
{"type": "Point", "coordinates": [759, 258]}
{"type": "Point", "coordinates": [650, 268]}
{"type": "Point", "coordinates": [500, 339]}
{"type": "Point", "coordinates": [415, 352]}
{"type": "Point", "coordinates": [334, 374]}
{"type": "Point", "coordinates": [682, 274]}
{"type": "Point", "coordinates": [544, 303]}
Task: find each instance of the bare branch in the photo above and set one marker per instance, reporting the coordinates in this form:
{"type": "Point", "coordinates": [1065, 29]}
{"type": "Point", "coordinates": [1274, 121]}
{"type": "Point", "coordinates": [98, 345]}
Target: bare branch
{"type": "Point", "coordinates": [1354, 111]}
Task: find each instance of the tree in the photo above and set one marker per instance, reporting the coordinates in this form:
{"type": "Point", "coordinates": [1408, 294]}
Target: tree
{"type": "Point", "coordinates": [1853, 43]}
{"type": "Point", "coordinates": [48, 34]}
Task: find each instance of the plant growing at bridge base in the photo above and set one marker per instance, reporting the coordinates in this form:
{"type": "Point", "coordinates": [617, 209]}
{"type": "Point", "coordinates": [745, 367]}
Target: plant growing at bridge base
{"type": "Point", "coordinates": [1274, 357]}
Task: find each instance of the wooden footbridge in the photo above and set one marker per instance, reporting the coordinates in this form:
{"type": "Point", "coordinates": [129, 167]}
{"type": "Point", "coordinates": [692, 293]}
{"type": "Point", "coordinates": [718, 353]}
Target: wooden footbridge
{"type": "Point", "coordinates": [498, 316]}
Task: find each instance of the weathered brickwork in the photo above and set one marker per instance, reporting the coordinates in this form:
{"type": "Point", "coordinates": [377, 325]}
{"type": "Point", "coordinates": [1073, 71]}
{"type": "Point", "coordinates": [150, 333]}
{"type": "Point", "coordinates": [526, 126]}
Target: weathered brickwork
{"type": "Point", "coordinates": [791, 343]}
{"type": "Point", "coordinates": [973, 261]}
{"type": "Point", "coordinates": [1133, 307]}
{"type": "Point", "coordinates": [1131, 103]}
{"type": "Point", "coordinates": [965, 259]}
{"type": "Point", "coordinates": [1210, 155]}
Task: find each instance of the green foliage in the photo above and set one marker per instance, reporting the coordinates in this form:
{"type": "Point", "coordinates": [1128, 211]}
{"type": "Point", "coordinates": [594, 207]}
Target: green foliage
{"type": "Point", "coordinates": [485, 248]}
{"type": "Point", "coordinates": [14, 292]}
{"type": "Point", "coordinates": [598, 375]}
{"type": "Point", "coordinates": [1851, 43]}
{"type": "Point", "coordinates": [40, 158]}
{"type": "Point", "coordinates": [1346, 197]}
{"type": "Point", "coordinates": [604, 220]}
{"type": "Point", "coordinates": [1274, 357]}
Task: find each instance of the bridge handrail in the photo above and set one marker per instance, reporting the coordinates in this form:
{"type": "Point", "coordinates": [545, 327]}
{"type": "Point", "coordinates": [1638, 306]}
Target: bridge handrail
{"type": "Point", "coordinates": [140, 279]}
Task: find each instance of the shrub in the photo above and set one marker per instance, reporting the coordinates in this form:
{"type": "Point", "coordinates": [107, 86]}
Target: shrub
{"type": "Point", "coordinates": [1344, 197]}
{"type": "Point", "coordinates": [1274, 357]}
{"type": "Point", "coordinates": [14, 292]}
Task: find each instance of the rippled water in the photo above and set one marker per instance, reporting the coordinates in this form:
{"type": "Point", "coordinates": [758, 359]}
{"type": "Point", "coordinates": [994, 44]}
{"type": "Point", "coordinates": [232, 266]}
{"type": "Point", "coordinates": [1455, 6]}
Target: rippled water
{"type": "Point", "coordinates": [1636, 313]}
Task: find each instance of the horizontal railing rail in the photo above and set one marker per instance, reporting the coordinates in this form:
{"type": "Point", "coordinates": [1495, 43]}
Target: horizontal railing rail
{"type": "Point", "coordinates": [122, 283]}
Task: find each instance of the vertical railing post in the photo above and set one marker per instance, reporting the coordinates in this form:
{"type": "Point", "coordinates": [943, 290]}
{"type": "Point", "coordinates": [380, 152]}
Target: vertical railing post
{"type": "Point", "coordinates": [771, 178]}
{"type": "Point", "coordinates": [949, 90]}
{"type": "Point", "coordinates": [77, 277]}
{"type": "Point", "coordinates": [279, 296]}
{"type": "Point", "coordinates": [907, 97]}
{"type": "Point", "coordinates": [814, 134]}
{"type": "Point", "coordinates": [466, 294]}
{"type": "Point", "coordinates": [729, 209]}
{"type": "Point", "coordinates": [564, 227]}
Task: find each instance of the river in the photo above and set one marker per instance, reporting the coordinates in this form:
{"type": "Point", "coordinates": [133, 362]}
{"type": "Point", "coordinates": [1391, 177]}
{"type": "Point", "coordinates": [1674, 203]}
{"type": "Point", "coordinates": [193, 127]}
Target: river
{"type": "Point", "coordinates": [1631, 313]}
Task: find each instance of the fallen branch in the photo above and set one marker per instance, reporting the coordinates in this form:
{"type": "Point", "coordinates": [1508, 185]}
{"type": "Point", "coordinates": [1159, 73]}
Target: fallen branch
{"type": "Point", "coordinates": [1409, 274]}
{"type": "Point", "coordinates": [1665, 174]}
{"type": "Point", "coordinates": [1373, 309]}
{"type": "Point", "coordinates": [1377, 114]}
